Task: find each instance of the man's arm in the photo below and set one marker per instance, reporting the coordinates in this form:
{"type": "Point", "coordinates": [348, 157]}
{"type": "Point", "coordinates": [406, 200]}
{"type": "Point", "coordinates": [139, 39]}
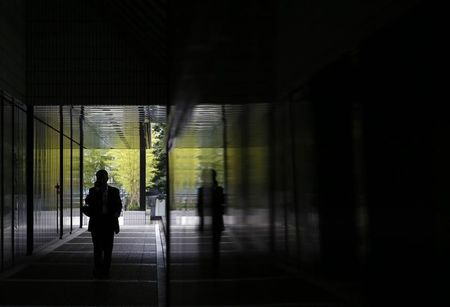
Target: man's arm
{"type": "Point", "coordinates": [200, 200]}
{"type": "Point", "coordinates": [87, 209]}
{"type": "Point", "coordinates": [90, 196]}
{"type": "Point", "coordinates": [118, 204]}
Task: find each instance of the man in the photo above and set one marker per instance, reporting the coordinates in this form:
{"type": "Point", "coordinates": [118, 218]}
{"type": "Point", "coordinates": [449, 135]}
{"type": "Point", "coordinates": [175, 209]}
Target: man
{"type": "Point", "coordinates": [103, 207]}
{"type": "Point", "coordinates": [210, 202]}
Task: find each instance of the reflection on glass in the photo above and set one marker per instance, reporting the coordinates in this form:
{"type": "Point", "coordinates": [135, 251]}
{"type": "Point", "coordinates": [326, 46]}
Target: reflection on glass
{"type": "Point", "coordinates": [20, 198]}
{"type": "Point", "coordinates": [13, 181]}
{"type": "Point", "coordinates": [8, 191]}
{"type": "Point", "coordinates": [46, 176]}
{"type": "Point", "coordinates": [219, 147]}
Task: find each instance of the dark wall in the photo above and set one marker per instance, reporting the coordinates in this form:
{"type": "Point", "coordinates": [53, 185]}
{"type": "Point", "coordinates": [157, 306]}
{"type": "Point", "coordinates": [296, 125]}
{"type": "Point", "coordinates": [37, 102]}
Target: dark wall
{"type": "Point", "coordinates": [12, 132]}
{"type": "Point", "coordinates": [354, 145]}
{"type": "Point", "coordinates": [379, 140]}
{"type": "Point", "coordinates": [83, 52]}
{"type": "Point", "coordinates": [13, 198]}
{"type": "Point", "coordinates": [400, 119]}
{"type": "Point", "coordinates": [311, 35]}
{"type": "Point", "coordinates": [254, 51]}
{"type": "Point", "coordinates": [12, 47]}
{"type": "Point", "coordinates": [222, 51]}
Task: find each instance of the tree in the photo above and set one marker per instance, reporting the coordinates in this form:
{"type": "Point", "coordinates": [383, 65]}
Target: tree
{"type": "Point", "coordinates": [150, 169]}
{"type": "Point", "coordinates": [94, 160]}
{"type": "Point", "coordinates": [158, 177]}
{"type": "Point", "coordinates": [125, 165]}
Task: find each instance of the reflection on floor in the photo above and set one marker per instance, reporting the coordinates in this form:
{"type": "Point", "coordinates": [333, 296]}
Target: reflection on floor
{"type": "Point", "coordinates": [64, 275]}
{"type": "Point", "coordinates": [242, 279]}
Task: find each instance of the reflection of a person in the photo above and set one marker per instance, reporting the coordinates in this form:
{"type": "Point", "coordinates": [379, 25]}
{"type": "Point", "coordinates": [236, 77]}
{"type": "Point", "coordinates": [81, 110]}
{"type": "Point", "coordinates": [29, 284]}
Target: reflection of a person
{"type": "Point", "coordinates": [103, 206]}
{"type": "Point", "coordinates": [211, 200]}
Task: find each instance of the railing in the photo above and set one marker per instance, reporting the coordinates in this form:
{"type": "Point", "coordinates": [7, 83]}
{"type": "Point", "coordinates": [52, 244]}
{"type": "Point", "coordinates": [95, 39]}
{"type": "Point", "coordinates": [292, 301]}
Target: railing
{"type": "Point", "coordinates": [134, 218]}
{"type": "Point", "coordinates": [139, 217]}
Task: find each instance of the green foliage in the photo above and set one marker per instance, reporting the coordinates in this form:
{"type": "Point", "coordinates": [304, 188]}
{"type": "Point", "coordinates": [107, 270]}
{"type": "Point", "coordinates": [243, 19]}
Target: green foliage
{"type": "Point", "coordinates": [123, 169]}
{"type": "Point", "coordinates": [158, 177]}
{"type": "Point", "coordinates": [132, 206]}
{"type": "Point", "coordinates": [125, 166]}
{"type": "Point", "coordinates": [94, 160]}
{"type": "Point", "coordinates": [150, 169]}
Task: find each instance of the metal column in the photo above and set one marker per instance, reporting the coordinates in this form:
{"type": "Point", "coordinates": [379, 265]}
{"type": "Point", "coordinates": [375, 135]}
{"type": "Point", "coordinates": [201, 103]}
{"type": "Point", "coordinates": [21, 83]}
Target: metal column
{"type": "Point", "coordinates": [142, 166]}
{"type": "Point", "coordinates": [61, 171]}
{"type": "Point", "coordinates": [81, 165]}
{"type": "Point", "coordinates": [29, 179]}
{"type": "Point", "coordinates": [225, 150]}
{"type": "Point", "coordinates": [71, 172]}
{"type": "Point", "coordinates": [1, 182]}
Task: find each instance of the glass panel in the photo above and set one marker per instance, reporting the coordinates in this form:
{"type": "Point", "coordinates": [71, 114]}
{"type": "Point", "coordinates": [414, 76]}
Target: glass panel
{"type": "Point", "coordinates": [46, 176]}
{"type": "Point", "coordinates": [241, 172]}
{"type": "Point", "coordinates": [20, 197]}
{"type": "Point", "coordinates": [75, 186]}
{"type": "Point", "coordinates": [1, 176]}
{"type": "Point", "coordinates": [7, 183]}
{"type": "Point", "coordinates": [76, 112]}
{"type": "Point", "coordinates": [67, 196]}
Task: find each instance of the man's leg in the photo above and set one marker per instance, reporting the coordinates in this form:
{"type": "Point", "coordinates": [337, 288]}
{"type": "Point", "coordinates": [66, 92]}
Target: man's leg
{"type": "Point", "coordinates": [216, 251]}
{"type": "Point", "coordinates": [108, 247]}
{"type": "Point", "coordinates": [98, 261]}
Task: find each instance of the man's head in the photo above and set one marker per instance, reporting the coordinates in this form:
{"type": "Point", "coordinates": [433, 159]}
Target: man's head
{"type": "Point", "coordinates": [209, 176]}
{"type": "Point", "coordinates": [206, 177]}
{"type": "Point", "coordinates": [102, 176]}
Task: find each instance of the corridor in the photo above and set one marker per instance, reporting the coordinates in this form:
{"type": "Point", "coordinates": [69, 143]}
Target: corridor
{"type": "Point", "coordinates": [61, 274]}
{"type": "Point", "coordinates": [310, 136]}
{"type": "Point", "coordinates": [248, 279]}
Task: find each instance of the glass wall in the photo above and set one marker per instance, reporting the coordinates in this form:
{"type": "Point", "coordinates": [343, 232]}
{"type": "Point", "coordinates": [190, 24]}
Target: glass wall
{"type": "Point", "coordinates": [8, 192]}
{"type": "Point", "coordinates": [265, 156]}
{"type": "Point", "coordinates": [46, 177]}
{"type": "Point", "coordinates": [20, 191]}
{"type": "Point", "coordinates": [12, 180]}
{"type": "Point", "coordinates": [1, 182]}
{"type": "Point", "coordinates": [75, 185]}
{"type": "Point", "coordinates": [233, 140]}
{"type": "Point", "coordinates": [197, 149]}
{"type": "Point", "coordinates": [76, 197]}
{"type": "Point", "coordinates": [47, 155]}
{"type": "Point", "coordinates": [248, 172]}
{"type": "Point", "coordinates": [67, 175]}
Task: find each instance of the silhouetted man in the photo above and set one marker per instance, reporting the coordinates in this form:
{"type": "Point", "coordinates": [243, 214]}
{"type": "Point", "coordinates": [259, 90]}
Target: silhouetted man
{"type": "Point", "coordinates": [211, 201]}
{"type": "Point", "coordinates": [103, 207]}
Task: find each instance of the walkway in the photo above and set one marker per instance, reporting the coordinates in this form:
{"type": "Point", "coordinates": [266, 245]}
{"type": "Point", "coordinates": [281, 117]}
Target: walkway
{"type": "Point", "coordinates": [63, 276]}
{"type": "Point", "coordinates": [247, 278]}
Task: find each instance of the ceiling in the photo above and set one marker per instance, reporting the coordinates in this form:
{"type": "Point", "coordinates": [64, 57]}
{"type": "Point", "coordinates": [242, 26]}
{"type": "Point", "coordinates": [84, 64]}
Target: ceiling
{"type": "Point", "coordinates": [118, 126]}
{"type": "Point", "coordinates": [104, 126]}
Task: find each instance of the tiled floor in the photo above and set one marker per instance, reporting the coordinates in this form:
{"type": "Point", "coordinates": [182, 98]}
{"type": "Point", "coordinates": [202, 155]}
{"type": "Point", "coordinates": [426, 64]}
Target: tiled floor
{"type": "Point", "coordinates": [63, 277]}
{"type": "Point", "coordinates": [242, 279]}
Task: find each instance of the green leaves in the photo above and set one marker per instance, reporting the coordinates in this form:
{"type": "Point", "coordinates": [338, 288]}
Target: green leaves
{"type": "Point", "coordinates": [158, 178]}
{"type": "Point", "coordinates": [123, 167]}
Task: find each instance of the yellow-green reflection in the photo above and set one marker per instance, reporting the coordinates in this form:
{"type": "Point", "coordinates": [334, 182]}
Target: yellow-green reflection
{"type": "Point", "coordinates": [188, 164]}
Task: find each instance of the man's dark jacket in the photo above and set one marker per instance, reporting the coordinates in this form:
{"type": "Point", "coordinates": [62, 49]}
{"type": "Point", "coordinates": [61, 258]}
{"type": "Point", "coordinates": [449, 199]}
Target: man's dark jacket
{"type": "Point", "coordinates": [94, 210]}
